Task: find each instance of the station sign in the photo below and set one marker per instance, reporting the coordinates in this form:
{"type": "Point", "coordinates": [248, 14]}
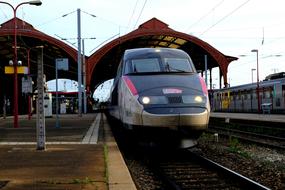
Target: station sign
{"type": "Point", "coordinates": [20, 69]}
{"type": "Point", "coordinates": [27, 84]}
{"type": "Point", "coordinates": [62, 64]}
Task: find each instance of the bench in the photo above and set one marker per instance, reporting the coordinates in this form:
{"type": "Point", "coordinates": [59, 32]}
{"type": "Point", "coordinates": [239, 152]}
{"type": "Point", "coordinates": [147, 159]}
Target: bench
{"type": "Point", "coordinates": [266, 108]}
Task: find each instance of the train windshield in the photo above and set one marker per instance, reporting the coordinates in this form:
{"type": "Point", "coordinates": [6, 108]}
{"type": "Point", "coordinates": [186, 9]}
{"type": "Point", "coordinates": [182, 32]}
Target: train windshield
{"type": "Point", "coordinates": [149, 65]}
{"type": "Point", "coordinates": [177, 65]}
{"type": "Point", "coordinates": [145, 65]}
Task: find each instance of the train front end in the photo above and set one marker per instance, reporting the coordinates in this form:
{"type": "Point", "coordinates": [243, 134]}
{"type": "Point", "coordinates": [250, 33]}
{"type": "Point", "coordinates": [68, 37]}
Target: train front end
{"type": "Point", "coordinates": [162, 90]}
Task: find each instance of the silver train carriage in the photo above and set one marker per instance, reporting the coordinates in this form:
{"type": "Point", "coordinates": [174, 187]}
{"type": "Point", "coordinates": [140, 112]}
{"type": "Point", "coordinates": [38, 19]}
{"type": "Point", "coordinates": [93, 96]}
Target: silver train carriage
{"type": "Point", "coordinates": [244, 98]}
{"type": "Point", "coordinates": [160, 88]}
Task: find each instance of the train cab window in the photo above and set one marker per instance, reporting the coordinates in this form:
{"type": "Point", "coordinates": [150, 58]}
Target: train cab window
{"type": "Point", "coordinates": [177, 64]}
{"type": "Point", "coordinates": [144, 65]}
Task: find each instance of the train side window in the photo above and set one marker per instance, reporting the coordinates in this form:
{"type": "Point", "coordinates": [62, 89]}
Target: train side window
{"type": "Point", "coordinates": [245, 95]}
{"type": "Point", "coordinates": [249, 94]}
{"type": "Point", "coordinates": [118, 75]}
{"type": "Point", "coordinates": [231, 96]}
{"type": "Point", "coordinates": [278, 102]}
{"type": "Point", "coordinates": [127, 68]}
{"type": "Point", "coordinates": [239, 95]}
{"type": "Point", "coordinates": [234, 96]}
{"type": "Point", "coordinates": [114, 94]}
{"type": "Point", "coordinates": [266, 93]}
{"type": "Point", "coordinates": [254, 94]}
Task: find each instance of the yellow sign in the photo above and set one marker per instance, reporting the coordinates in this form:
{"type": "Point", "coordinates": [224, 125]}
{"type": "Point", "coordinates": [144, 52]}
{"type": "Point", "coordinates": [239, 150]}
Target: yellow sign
{"type": "Point", "coordinates": [20, 70]}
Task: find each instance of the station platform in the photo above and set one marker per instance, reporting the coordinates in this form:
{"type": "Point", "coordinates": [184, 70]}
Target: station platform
{"type": "Point", "coordinates": [81, 154]}
{"type": "Point", "coordinates": [278, 118]}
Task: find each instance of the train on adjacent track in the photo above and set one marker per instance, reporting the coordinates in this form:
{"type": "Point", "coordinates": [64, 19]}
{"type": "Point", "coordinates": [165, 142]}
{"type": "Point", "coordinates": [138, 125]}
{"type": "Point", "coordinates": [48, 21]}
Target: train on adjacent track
{"type": "Point", "coordinates": [269, 97]}
{"type": "Point", "coordinates": [159, 89]}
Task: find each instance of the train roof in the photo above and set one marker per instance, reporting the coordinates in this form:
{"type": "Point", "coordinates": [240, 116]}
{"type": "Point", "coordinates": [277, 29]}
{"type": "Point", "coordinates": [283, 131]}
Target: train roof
{"type": "Point", "coordinates": [275, 76]}
{"type": "Point", "coordinates": [154, 52]}
{"type": "Point", "coordinates": [253, 85]}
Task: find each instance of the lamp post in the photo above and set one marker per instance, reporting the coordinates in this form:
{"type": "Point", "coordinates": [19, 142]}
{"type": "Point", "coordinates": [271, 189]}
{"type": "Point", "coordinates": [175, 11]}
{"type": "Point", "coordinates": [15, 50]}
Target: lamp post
{"type": "Point", "coordinates": [37, 3]}
{"type": "Point", "coordinates": [257, 80]}
{"type": "Point", "coordinates": [29, 72]}
{"type": "Point", "coordinates": [252, 74]}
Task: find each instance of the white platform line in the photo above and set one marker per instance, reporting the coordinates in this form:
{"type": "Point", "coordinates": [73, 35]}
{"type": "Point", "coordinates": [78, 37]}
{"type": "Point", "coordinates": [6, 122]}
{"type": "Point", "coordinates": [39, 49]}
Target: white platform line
{"type": "Point", "coordinates": [91, 136]}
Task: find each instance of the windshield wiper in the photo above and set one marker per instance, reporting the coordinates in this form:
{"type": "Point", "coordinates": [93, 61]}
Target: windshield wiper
{"type": "Point", "coordinates": [135, 69]}
{"type": "Point", "coordinates": [169, 69]}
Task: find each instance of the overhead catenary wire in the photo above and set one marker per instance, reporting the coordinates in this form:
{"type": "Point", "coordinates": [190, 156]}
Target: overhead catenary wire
{"type": "Point", "coordinates": [104, 42]}
{"type": "Point", "coordinates": [262, 57]}
{"type": "Point", "coordinates": [54, 19]}
{"type": "Point", "coordinates": [205, 15]}
{"type": "Point", "coordinates": [223, 18]}
{"type": "Point", "coordinates": [133, 12]}
{"type": "Point", "coordinates": [140, 14]}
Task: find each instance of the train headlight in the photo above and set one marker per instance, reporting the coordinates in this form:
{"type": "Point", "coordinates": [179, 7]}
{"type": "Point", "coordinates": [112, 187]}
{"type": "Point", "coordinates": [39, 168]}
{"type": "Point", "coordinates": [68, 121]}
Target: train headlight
{"type": "Point", "coordinates": [198, 99]}
{"type": "Point", "coordinates": [193, 99]}
{"type": "Point", "coordinates": [145, 100]}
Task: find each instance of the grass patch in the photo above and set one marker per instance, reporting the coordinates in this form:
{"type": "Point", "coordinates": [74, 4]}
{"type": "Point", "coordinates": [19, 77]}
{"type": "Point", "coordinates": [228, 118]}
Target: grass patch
{"type": "Point", "coordinates": [84, 181]}
{"type": "Point", "coordinates": [235, 147]}
{"type": "Point", "coordinates": [207, 138]}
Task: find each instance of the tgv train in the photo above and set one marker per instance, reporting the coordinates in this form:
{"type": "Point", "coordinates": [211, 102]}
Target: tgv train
{"type": "Point", "coordinates": [244, 98]}
{"type": "Point", "coordinates": [159, 88]}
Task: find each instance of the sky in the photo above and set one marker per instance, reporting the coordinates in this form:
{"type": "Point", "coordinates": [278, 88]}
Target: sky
{"type": "Point", "coordinates": [233, 27]}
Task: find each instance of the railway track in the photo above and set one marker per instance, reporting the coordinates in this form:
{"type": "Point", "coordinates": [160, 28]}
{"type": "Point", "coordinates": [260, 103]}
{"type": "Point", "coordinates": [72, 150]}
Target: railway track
{"type": "Point", "coordinates": [154, 167]}
{"type": "Point", "coordinates": [273, 129]}
{"type": "Point", "coordinates": [180, 169]}
{"type": "Point", "coordinates": [256, 138]}
{"type": "Point", "coordinates": [187, 170]}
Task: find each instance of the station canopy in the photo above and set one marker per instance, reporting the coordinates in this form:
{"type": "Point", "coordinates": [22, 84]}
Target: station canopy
{"type": "Point", "coordinates": [154, 33]}
{"type": "Point", "coordinates": [103, 63]}
{"type": "Point", "coordinates": [29, 44]}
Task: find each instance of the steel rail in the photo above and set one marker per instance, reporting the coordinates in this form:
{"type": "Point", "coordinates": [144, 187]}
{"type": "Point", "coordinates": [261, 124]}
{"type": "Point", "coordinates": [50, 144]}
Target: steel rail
{"type": "Point", "coordinates": [244, 181]}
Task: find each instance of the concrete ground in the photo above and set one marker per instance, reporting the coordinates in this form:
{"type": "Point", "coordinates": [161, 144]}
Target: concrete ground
{"type": "Point", "coordinates": [68, 163]}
